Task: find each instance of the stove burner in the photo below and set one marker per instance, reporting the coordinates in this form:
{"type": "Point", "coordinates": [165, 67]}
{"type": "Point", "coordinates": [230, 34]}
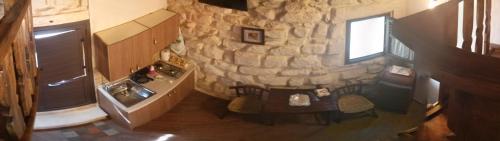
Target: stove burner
{"type": "Point", "coordinates": [141, 76]}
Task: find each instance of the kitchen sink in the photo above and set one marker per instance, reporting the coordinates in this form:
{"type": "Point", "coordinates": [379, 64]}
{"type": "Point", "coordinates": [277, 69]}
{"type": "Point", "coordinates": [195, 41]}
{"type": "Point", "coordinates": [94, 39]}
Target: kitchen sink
{"type": "Point", "coordinates": [128, 92]}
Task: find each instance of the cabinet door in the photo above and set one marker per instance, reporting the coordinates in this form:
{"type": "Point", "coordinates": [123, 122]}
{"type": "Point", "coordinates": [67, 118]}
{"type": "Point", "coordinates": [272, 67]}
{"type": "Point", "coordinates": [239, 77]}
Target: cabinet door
{"type": "Point", "coordinates": [143, 50]}
{"type": "Point", "coordinates": [166, 33]}
{"type": "Point", "coordinates": [185, 88]}
{"type": "Point", "coordinates": [120, 57]}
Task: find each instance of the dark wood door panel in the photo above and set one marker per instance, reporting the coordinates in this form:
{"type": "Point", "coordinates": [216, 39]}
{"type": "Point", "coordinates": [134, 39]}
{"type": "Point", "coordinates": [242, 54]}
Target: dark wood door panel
{"type": "Point", "coordinates": [64, 96]}
{"type": "Point", "coordinates": [60, 57]}
{"type": "Point", "coordinates": [63, 54]}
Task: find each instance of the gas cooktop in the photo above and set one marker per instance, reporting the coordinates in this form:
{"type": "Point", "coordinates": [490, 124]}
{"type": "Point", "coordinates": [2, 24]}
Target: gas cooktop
{"type": "Point", "coordinates": [168, 69]}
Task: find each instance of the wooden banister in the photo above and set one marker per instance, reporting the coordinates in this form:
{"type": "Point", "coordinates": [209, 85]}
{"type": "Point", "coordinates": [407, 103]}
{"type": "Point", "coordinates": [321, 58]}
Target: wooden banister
{"type": "Point", "coordinates": [15, 38]}
{"type": "Point", "coordinates": [480, 27]}
{"type": "Point", "coordinates": [468, 25]}
{"type": "Point", "coordinates": [487, 28]}
{"type": "Point", "coordinates": [473, 79]}
{"type": "Point", "coordinates": [10, 24]}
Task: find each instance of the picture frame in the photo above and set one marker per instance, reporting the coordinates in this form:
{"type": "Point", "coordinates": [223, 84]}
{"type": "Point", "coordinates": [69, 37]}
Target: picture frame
{"type": "Point", "coordinates": [253, 35]}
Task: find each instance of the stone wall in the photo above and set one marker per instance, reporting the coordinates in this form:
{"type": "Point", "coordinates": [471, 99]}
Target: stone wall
{"type": "Point", "coordinates": [54, 12]}
{"type": "Point", "coordinates": [305, 41]}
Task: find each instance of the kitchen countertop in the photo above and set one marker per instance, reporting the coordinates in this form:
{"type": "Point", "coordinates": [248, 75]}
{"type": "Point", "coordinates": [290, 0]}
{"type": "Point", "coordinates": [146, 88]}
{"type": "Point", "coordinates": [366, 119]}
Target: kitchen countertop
{"type": "Point", "coordinates": [160, 86]}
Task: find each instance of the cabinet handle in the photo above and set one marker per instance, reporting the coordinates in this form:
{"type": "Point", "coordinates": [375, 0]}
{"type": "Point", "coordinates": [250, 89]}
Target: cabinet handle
{"type": "Point", "coordinates": [131, 70]}
{"type": "Point", "coordinates": [155, 41]}
{"type": "Point", "coordinates": [137, 67]}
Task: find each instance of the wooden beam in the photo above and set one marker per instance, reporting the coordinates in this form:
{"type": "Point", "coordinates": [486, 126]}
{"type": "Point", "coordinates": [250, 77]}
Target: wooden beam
{"type": "Point", "coordinates": [468, 24]}
{"type": "Point", "coordinates": [479, 30]}
{"type": "Point", "coordinates": [487, 28]}
{"type": "Point", "coordinates": [10, 24]}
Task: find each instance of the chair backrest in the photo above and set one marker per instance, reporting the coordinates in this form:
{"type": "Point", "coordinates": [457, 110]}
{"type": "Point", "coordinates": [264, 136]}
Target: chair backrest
{"type": "Point", "coordinates": [348, 89]}
{"type": "Point", "coordinates": [244, 90]}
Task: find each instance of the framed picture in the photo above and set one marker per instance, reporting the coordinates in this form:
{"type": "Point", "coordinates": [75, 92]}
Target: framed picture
{"type": "Point", "coordinates": [252, 35]}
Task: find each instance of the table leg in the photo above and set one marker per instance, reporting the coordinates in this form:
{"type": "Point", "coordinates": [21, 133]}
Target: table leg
{"type": "Point", "coordinates": [328, 117]}
{"type": "Point", "coordinates": [317, 117]}
{"type": "Point", "coordinates": [270, 118]}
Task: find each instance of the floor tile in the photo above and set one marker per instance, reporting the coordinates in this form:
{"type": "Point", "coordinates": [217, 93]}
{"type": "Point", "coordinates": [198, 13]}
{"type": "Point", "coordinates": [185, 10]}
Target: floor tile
{"type": "Point", "coordinates": [69, 134]}
{"type": "Point", "coordinates": [110, 132]}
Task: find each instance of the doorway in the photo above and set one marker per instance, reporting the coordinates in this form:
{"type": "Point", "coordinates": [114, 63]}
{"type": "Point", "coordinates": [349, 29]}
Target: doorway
{"type": "Point", "coordinates": [64, 65]}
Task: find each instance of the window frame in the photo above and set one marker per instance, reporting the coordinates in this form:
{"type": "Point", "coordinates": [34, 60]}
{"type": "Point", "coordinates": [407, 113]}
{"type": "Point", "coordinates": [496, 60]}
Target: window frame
{"type": "Point", "coordinates": [348, 61]}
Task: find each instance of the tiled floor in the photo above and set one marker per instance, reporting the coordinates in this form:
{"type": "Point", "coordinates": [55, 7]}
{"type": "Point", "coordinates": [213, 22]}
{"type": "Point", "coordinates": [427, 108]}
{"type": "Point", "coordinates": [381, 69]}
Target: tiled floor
{"type": "Point", "coordinates": [105, 130]}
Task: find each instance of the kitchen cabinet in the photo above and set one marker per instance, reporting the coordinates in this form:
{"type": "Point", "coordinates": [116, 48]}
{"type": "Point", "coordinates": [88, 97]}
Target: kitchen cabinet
{"type": "Point", "coordinates": [123, 49]}
{"type": "Point", "coordinates": [126, 48]}
{"type": "Point", "coordinates": [164, 26]}
{"type": "Point", "coordinates": [169, 92]}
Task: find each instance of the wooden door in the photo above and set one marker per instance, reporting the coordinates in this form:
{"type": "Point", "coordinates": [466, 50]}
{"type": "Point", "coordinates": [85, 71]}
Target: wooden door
{"type": "Point", "coordinates": [121, 61]}
{"type": "Point", "coordinates": [143, 50]}
{"type": "Point", "coordinates": [65, 72]}
{"type": "Point", "coordinates": [166, 33]}
{"type": "Point", "coordinates": [185, 88]}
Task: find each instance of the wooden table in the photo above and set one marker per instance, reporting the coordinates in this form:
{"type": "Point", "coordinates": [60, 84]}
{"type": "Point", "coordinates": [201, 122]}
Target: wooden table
{"type": "Point", "coordinates": [277, 103]}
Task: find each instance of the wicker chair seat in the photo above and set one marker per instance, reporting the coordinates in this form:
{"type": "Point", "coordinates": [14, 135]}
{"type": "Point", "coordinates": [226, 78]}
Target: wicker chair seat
{"type": "Point", "coordinates": [250, 104]}
{"type": "Point", "coordinates": [354, 103]}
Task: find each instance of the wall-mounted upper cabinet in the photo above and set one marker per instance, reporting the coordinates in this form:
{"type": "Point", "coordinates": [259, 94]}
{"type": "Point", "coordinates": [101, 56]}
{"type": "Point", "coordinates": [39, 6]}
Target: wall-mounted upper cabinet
{"type": "Point", "coordinates": [164, 25]}
{"type": "Point", "coordinates": [123, 49]}
{"type": "Point", "coordinates": [128, 47]}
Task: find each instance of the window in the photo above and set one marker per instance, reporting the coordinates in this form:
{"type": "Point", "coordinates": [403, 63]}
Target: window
{"type": "Point", "coordinates": [366, 38]}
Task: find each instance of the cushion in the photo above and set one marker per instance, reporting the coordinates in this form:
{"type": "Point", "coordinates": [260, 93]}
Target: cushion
{"type": "Point", "coordinates": [246, 104]}
{"type": "Point", "coordinates": [354, 103]}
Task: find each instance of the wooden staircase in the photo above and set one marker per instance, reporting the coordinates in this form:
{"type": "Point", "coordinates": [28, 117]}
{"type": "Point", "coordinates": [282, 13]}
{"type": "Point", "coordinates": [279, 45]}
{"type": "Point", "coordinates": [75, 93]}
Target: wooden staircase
{"type": "Point", "coordinates": [470, 79]}
{"type": "Point", "coordinates": [18, 72]}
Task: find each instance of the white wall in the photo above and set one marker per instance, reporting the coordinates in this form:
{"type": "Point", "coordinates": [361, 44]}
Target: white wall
{"type": "Point", "coordinates": [415, 6]}
{"type": "Point", "coordinates": [108, 13]}
{"type": "Point", "coordinates": [495, 31]}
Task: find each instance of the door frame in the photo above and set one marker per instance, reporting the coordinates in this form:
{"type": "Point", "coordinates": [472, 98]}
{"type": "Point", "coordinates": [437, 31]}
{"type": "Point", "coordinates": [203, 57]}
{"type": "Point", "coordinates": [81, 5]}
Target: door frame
{"type": "Point", "coordinates": [87, 42]}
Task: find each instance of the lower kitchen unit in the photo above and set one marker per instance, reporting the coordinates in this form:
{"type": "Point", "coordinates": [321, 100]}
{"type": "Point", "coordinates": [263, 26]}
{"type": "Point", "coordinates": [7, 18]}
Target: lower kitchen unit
{"type": "Point", "coordinates": [249, 70]}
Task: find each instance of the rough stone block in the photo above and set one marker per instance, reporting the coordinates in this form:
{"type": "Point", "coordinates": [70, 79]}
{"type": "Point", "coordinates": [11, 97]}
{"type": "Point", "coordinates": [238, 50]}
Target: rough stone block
{"type": "Point", "coordinates": [319, 71]}
{"type": "Point", "coordinates": [353, 73]}
{"type": "Point", "coordinates": [213, 52]}
{"type": "Point", "coordinates": [269, 13]}
{"type": "Point", "coordinates": [245, 79]}
{"type": "Point", "coordinates": [258, 71]}
{"type": "Point", "coordinates": [226, 66]}
{"type": "Point", "coordinates": [310, 61]}
{"type": "Point", "coordinates": [259, 49]}
{"type": "Point", "coordinates": [286, 50]}
{"type": "Point", "coordinates": [211, 69]}
{"type": "Point", "coordinates": [321, 30]}
{"type": "Point", "coordinates": [332, 60]}
{"type": "Point", "coordinates": [314, 49]}
{"type": "Point", "coordinates": [300, 12]}
{"type": "Point", "coordinates": [323, 79]}
{"type": "Point", "coordinates": [274, 80]}
{"type": "Point", "coordinates": [276, 61]}
{"type": "Point", "coordinates": [296, 72]}
{"type": "Point", "coordinates": [198, 57]}
{"type": "Point", "coordinates": [296, 81]}
{"type": "Point", "coordinates": [300, 31]}
{"type": "Point", "coordinates": [375, 68]}
{"type": "Point", "coordinates": [247, 59]}
{"type": "Point", "coordinates": [232, 45]}
{"type": "Point", "coordinates": [212, 41]}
